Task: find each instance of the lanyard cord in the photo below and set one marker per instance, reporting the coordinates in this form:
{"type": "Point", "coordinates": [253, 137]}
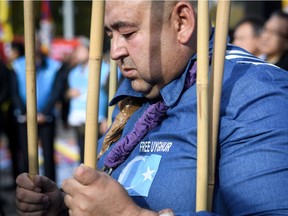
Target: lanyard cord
{"type": "Point", "coordinates": [150, 119]}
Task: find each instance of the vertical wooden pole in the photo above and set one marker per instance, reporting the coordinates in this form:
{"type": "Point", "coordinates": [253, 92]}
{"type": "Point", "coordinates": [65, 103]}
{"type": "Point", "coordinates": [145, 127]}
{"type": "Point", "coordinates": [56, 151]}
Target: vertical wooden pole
{"type": "Point", "coordinates": [32, 132]}
{"type": "Point", "coordinates": [215, 87]}
{"type": "Point", "coordinates": [202, 105]}
{"type": "Point", "coordinates": [95, 59]}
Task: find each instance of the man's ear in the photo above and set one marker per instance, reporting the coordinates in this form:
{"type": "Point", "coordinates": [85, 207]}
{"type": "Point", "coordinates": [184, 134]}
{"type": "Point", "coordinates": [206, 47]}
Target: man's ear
{"type": "Point", "coordinates": [184, 19]}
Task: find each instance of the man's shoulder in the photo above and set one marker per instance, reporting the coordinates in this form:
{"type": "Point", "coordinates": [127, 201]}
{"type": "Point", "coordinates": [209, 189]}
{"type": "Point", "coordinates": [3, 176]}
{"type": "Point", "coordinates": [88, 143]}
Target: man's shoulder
{"type": "Point", "coordinates": [247, 76]}
{"type": "Point", "coordinates": [238, 55]}
{"type": "Point", "coordinates": [240, 62]}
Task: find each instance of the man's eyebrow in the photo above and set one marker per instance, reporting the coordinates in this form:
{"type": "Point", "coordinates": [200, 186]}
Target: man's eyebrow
{"type": "Point", "coordinates": [120, 24]}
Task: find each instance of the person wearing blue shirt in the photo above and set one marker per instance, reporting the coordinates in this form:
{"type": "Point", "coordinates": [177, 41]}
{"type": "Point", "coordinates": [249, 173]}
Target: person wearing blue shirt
{"type": "Point", "coordinates": [152, 157]}
{"type": "Point", "coordinates": [48, 92]}
{"type": "Point", "coordinates": [77, 93]}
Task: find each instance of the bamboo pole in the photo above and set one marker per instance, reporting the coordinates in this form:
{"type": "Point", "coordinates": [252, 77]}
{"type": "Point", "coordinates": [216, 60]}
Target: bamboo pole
{"type": "Point", "coordinates": [215, 87]}
{"type": "Point", "coordinates": [112, 87]}
{"type": "Point", "coordinates": [32, 132]}
{"type": "Point", "coordinates": [95, 59]}
{"type": "Point", "coordinates": [202, 105]}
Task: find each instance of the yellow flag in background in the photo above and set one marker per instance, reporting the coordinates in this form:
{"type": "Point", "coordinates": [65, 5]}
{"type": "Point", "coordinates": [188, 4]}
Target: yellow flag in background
{"type": "Point", "coordinates": [6, 33]}
{"type": "Point", "coordinates": [285, 5]}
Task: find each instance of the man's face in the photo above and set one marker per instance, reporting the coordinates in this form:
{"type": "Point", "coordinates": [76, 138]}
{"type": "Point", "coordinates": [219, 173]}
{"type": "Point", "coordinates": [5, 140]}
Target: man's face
{"type": "Point", "coordinates": [143, 44]}
{"type": "Point", "coordinates": [274, 37]}
{"type": "Point", "coordinates": [81, 53]}
{"type": "Point", "coordinates": [244, 37]}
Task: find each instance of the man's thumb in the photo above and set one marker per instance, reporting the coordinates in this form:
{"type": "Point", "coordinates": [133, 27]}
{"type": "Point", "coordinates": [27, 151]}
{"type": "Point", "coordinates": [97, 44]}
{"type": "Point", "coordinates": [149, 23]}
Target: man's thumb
{"type": "Point", "coordinates": [85, 175]}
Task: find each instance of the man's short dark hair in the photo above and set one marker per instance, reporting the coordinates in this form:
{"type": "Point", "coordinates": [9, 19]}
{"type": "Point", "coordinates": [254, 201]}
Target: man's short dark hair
{"type": "Point", "coordinates": [257, 24]}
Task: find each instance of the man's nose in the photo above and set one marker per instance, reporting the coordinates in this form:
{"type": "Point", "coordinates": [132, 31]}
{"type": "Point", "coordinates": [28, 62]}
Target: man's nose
{"type": "Point", "coordinates": [118, 48]}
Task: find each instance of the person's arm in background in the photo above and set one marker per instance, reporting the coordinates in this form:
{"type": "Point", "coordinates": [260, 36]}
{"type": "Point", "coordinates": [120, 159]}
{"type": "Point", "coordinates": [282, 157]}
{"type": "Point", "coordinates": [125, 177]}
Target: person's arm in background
{"type": "Point", "coordinates": [19, 106]}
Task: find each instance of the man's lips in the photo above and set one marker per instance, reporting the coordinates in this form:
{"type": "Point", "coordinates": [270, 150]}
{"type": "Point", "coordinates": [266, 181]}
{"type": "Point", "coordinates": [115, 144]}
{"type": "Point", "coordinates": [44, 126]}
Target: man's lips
{"type": "Point", "coordinates": [128, 72]}
{"type": "Point", "coordinates": [125, 68]}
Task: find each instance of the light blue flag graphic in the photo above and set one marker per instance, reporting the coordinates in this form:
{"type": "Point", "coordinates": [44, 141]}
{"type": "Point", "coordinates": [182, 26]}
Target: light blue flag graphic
{"type": "Point", "coordinates": [138, 175]}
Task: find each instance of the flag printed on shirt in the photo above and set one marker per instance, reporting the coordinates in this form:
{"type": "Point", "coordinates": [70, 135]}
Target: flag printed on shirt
{"type": "Point", "coordinates": [138, 175]}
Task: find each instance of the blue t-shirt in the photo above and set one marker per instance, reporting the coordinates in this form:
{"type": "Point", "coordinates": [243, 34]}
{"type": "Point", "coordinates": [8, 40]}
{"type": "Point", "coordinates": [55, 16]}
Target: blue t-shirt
{"type": "Point", "coordinates": [252, 172]}
{"type": "Point", "coordinates": [45, 78]}
{"type": "Point", "coordinates": [78, 79]}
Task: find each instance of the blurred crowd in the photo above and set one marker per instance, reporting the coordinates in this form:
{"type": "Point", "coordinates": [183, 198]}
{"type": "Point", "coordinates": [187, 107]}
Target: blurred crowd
{"type": "Point", "coordinates": [267, 40]}
{"type": "Point", "coordinates": [61, 92]}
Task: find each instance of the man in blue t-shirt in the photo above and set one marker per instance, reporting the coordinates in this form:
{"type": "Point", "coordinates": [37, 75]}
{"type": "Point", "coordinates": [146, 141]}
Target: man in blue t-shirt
{"type": "Point", "coordinates": [152, 159]}
{"type": "Point", "coordinates": [48, 92]}
{"type": "Point", "coordinates": [77, 93]}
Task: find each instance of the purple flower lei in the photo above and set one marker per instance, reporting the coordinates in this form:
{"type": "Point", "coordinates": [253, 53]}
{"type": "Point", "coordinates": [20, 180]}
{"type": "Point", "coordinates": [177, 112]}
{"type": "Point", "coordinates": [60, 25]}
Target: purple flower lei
{"type": "Point", "coordinates": [150, 119]}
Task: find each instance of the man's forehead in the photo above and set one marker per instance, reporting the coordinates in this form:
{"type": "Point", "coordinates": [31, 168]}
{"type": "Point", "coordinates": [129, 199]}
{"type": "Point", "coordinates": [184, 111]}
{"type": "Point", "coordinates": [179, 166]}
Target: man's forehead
{"type": "Point", "coordinates": [136, 12]}
{"type": "Point", "coordinates": [153, 4]}
{"type": "Point", "coordinates": [125, 11]}
{"type": "Point", "coordinates": [125, 2]}
{"type": "Point", "coordinates": [277, 22]}
{"type": "Point", "coordinates": [118, 6]}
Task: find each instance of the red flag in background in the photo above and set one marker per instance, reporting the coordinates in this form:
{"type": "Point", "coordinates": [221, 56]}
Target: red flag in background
{"type": "Point", "coordinates": [46, 26]}
{"type": "Point", "coordinates": [45, 10]}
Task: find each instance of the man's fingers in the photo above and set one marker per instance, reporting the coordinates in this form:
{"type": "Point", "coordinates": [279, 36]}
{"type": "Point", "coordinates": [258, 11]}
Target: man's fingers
{"type": "Point", "coordinates": [72, 206]}
{"type": "Point", "coordinates": [75, 207]}
{"type": "Point", "coordinates": [85, 175]}
{"type": "Point", "coordinates": [71, 186]}
{"type": "Point", "coordinates": [37, 213]}
{"type": "Point", "coordinates": [27, 196]}
{"type": "Point", "coordinates": [68, 201]}
{"type": "Point", "coordinates": [36, 183]}
{"type": "Point", "coordinates": [24, 181]}
{"type": "Point", "coordinates": [45, 183]}
{"type": "Point", "coordinates": [25, 207]}
{"type": "Point", "coordinates": [33, 203]}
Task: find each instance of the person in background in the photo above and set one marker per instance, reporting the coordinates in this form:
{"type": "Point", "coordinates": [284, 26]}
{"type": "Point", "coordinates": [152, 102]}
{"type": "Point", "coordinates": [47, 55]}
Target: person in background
{"type": "Point", "coordinates": [7, 119]}
{"type": "Point", "coordinates": [150, 151]}
{"type": "Point", "coordinates": [77, 94]}
{"type": "Point", "coordinates": [4, 93]}
{"type": "Point", "coordinates": [274, 39]}
{"type": "Point", "coordinates": [247, 34]}
{"type": "Point", "coordinates": [48, 93]}
{"type": "Point", "coordinates": [104, 92]}
{"type": "Point", "coordinates": [68, 63]}
{"type": "Point", "coordinates": [17, 50]}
